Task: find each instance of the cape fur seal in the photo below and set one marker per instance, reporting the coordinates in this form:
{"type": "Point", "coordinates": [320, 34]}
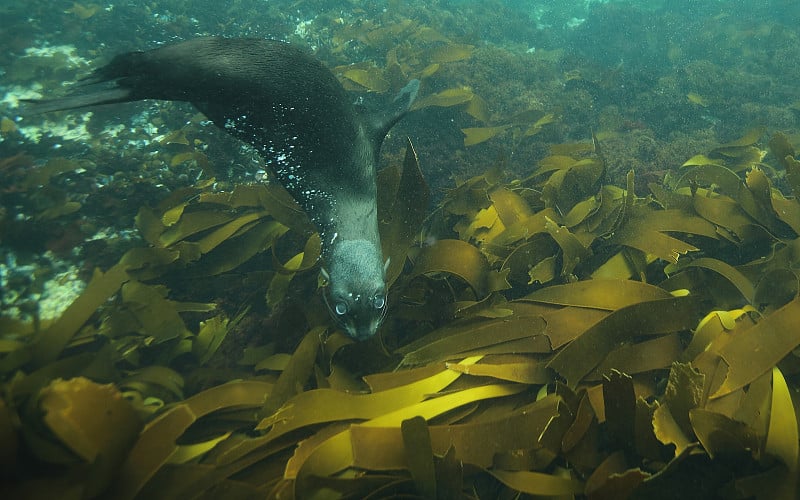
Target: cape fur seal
{"type": "Point", "coordinates": [294, 111]}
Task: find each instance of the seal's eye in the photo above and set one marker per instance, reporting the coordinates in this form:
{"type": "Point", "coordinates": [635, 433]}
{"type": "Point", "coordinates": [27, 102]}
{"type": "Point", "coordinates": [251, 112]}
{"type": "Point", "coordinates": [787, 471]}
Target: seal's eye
{"type": "Point", "coordinates": [379, 301]}
{"type": "Point", "coordinates": [340, 308]}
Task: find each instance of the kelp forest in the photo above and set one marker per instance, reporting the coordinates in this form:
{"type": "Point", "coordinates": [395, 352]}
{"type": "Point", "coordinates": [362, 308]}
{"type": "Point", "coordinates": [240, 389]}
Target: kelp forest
{"type": "Point", "coordinates": [563, 321]}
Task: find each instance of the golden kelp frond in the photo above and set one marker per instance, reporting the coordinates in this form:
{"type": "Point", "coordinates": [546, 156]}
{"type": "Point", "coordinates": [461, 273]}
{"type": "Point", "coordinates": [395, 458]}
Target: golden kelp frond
{"type": "Point", "coordinates": [84, 11]}
{"type": "Point", "coordinates": [697, 99]}
{"type": "Point", "coordinates": [406, 194]}
{"type": "Point", "coordinates": [411, 51]}
{"type": "Point", "coordinates": [7, 125]}
{"type": "Point", "coordinates": [534, 128]}
{"type": "Point", "coordinates": [368, 78]}
{"type": "Point", "coordinates": [449, 53]}
{"type": "Point", "coordinates": [522, 125]}
{"type": "Point", "coordinates": [47, 199]}
{"type": "Point", "coordinates": [477, 135]}
{"type": "Point", "coordinates": [553, 335]}
{"type": "Point", "coordinates": [737, 155]}
{"type": "Point", "coordinates": [40, 176]}
{"type": "Point", "coordinates": [445, 98]}
{"type": "Point", "coordinates": [476, 107]}
{"type": "Point", "coordinates": [100, 438]}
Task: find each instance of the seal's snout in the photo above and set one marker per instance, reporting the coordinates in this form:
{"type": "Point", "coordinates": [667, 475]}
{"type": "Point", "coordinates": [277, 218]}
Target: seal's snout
{"type": "Point", "coordinates": [356, 295]}
{"type": "Point", "coordinates": [359, 325]}
{"type": "Point", "coordinates": [359, 315]}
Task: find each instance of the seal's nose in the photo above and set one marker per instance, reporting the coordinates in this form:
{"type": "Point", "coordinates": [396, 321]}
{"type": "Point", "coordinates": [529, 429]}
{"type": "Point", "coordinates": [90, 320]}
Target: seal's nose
{"type": "Point", "coordinates": [363, 332]}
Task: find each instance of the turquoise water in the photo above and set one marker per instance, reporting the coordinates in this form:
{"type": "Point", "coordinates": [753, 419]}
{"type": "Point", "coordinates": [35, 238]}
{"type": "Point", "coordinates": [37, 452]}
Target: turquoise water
{"type": "Point", "coordinates": [657, 81]}
{"type": "Point", "coordinates": [639, 87]}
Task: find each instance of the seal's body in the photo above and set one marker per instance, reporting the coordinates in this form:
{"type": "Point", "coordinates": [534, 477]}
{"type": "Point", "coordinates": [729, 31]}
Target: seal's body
{"type": "Point", "coordinates": [290, 107]}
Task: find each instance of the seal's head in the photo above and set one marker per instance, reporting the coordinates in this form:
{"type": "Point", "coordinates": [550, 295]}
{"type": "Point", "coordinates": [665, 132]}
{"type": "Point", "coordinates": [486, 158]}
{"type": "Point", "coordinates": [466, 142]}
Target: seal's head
{"type": "Point", "coordinates": [356, 294]}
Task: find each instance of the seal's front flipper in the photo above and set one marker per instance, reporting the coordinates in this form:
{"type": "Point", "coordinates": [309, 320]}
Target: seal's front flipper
{"type": "Point", "coordinates": [408, 94]}
{"type": "Point", "coordinates": [382, 123]}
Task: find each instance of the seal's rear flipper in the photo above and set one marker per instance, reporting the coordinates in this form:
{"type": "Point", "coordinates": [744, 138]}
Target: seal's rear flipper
{"type": "Point", "coordinates": [117, 81]}
{"type": "Point", "coordinates": [79, 100]}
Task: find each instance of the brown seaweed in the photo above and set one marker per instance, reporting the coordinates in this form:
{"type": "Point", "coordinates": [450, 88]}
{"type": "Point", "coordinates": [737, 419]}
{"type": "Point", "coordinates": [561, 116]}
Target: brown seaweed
{"type": "Point", "coordinates": [630, 318]}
